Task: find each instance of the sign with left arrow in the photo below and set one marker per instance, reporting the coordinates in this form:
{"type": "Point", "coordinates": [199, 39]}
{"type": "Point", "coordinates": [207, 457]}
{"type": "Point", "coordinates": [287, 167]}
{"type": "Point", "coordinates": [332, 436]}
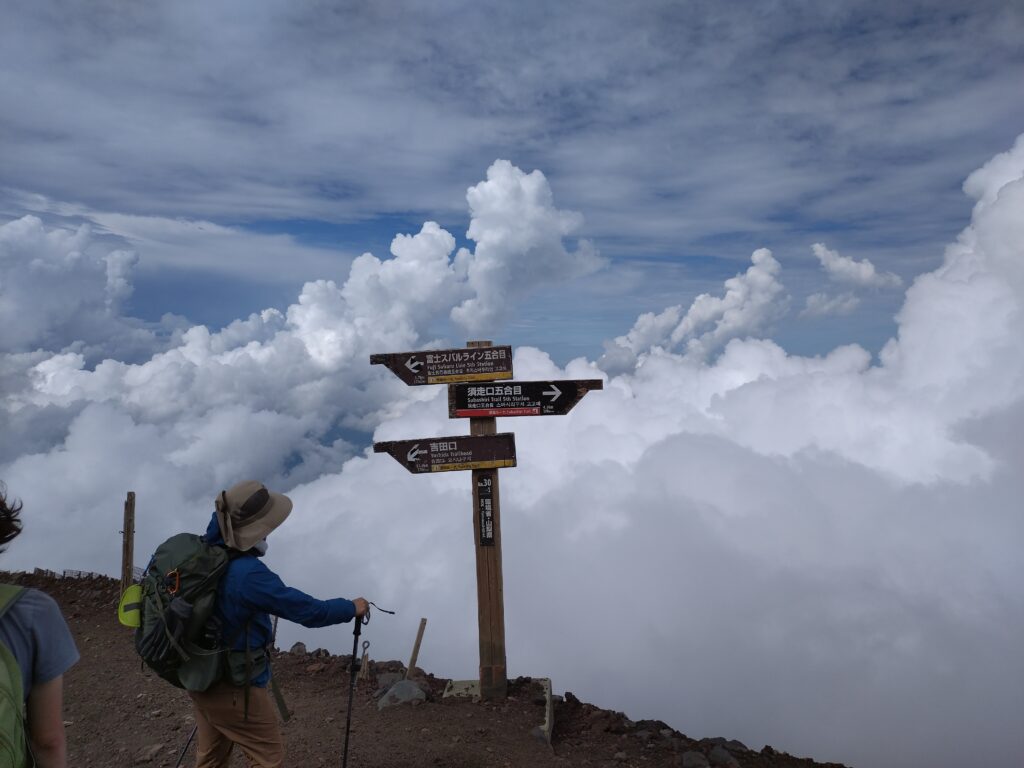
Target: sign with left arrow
{"type": "Point", "coordinates": [446, 454]}
{"type": "Point", "coordinates": [445, 366]}
{"type": "Point", "coordinates": [518, 398]}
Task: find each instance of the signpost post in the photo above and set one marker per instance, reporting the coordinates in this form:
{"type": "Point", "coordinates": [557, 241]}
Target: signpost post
{"type": "Point", "coordinates": [490, 585]}
{"type": "Point", "coordinates": [477, 391]}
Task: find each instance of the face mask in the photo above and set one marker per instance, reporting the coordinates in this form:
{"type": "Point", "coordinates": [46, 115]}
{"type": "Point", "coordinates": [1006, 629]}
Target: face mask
{"type": "Point", "coordinates": [260, 547]}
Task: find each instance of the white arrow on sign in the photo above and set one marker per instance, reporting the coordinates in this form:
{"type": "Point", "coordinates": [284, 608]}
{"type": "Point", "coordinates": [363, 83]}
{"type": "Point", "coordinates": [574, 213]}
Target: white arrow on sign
{"type": "Point", "coordinates": [413, 364]}
{"type": "Point", "coordinates": [413, 453]}
{"type": "Point", "coordinates": [554, 393]}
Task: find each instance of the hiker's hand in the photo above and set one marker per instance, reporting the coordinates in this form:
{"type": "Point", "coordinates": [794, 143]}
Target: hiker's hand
{"type": "Point", "coordinates": [361, 607]}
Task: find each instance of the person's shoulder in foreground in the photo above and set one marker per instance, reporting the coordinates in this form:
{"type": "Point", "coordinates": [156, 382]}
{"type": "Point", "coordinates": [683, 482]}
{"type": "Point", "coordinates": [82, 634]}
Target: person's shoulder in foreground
{"type": "Point", "coordinates": [35, 633]}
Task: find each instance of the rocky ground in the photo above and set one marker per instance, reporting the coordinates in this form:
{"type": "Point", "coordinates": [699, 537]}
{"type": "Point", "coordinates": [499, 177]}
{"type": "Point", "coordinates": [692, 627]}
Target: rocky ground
{"type": "Point", "coordinates": [118, 714]}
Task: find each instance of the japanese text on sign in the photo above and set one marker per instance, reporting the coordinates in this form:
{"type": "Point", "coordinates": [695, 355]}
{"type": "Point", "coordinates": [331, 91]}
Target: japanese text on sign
{"type": "Point", "coordinates": [465, 355]}
{"type": "Point", "coordinates": [495, 391]}
{"type": "Point", "coordinates": [448, 366]}
{"type": "Point", "coordinates": [485, 500]}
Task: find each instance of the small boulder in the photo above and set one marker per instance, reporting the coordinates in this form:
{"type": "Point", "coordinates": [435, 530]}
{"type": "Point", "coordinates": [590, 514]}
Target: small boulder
{"type": "Point", "coordinates": [148, 754]}
{"type": "Point", "coordinates": [387, 679]}
{"type": "Point", "coordinates": [721, 756]}
{"type": "Point", "coordinates": [298, 648]}
{"type": "Point", "coordinates": [619, 724]}
{"type": "Point", "coordinates": [402, 692]}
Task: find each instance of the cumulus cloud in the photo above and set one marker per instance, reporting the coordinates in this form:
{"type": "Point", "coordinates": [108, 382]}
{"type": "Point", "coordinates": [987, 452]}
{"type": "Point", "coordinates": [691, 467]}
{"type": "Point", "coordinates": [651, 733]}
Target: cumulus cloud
{"type": "Point", "coordinates": [860, 273]}
{"type": "Point", "coordinates": [58, 287]}
{"type": "Point", "coordinates": [766, 529]}
{"type": "Point", "coordinates": [519, 238]}
{"type": "Point", "coordinates": [751, 302]}
{"type": "Point", "coordinates": [311, 358]}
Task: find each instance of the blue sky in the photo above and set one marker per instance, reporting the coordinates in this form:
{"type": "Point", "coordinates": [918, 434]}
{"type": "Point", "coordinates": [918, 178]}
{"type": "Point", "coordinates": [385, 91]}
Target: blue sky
{"type": "Point", "coordinates": [787, 236]}
{"type": "Point", "coordinates": [687, 135]}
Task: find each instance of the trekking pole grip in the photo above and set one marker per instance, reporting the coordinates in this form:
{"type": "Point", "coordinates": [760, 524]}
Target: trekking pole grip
{"type": "Point", "coordinates": [356, 631]}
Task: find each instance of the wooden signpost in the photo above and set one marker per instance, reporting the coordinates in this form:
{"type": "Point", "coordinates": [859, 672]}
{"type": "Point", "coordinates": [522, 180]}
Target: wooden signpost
{"type": "Point", "coordinates": [128, 543]}
{"type": "Point", "coordinates": [473, 375]}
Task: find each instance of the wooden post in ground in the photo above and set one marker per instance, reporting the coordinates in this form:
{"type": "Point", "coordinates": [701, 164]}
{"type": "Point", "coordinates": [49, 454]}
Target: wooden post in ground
{"type": "Point", "coordinates": [128, 543]}
{"type": "Point", "coordinates": [416, 648]}
{"type": "Point", "coordinates": [489, 582]}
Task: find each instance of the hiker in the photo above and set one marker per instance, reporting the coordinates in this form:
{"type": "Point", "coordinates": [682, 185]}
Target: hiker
{"type": "Point", "coordinates": [37, 648]}
{"type": "Point", "coordinates": [241, 710]}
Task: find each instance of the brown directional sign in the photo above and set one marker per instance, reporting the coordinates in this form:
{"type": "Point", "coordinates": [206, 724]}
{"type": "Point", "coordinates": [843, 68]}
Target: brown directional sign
{"type": "Point", "coordinates": [518, 398]}
{"type": "Point", "coordinates": [446, 454]}
{"type": "Point", "coordinates": [445, 366]}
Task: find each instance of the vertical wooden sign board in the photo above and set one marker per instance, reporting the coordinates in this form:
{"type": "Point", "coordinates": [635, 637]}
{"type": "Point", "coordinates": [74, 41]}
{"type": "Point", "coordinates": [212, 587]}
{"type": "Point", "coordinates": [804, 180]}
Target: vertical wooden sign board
{"type": "Point", "coordinates": [489, 583]}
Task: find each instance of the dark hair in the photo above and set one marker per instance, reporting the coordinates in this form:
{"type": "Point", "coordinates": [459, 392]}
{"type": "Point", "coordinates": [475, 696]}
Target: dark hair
{"type": "Point", "coordinates": [10, 525]}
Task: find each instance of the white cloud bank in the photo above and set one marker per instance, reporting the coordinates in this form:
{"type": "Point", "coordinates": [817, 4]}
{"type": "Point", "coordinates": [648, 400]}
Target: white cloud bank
{"type": "Point", "coordinates": [820, 553]}
{"type": "Point", "coordinates": [751, 302]}
{"type": "Point", "coordinates": [52, 288]}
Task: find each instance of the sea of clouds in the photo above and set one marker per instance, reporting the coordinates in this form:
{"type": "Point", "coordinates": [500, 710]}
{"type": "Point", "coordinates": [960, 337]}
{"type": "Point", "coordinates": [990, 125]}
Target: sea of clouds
{"type": "Point", "coordinates": [821, 553]}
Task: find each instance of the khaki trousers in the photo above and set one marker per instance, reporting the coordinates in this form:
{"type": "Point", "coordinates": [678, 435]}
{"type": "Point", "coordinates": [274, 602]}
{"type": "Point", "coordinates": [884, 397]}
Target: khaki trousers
{"type": "Point", "coordinates": [221, 723]}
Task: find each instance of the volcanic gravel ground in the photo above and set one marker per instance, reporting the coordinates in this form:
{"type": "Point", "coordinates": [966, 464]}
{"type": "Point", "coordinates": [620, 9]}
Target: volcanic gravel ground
{"type": "Point", "coordinates": [119, 714]}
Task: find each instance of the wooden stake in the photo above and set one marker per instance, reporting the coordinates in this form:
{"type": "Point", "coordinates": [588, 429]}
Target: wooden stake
{"type": "Point", "coordinates": [489, 582]}
{"type": "Point", "coordinates": [416, 648]}
{"type": "Point", "coordinates": [364, 664]}
{"type": "Point", "coordinates": [128, 543]}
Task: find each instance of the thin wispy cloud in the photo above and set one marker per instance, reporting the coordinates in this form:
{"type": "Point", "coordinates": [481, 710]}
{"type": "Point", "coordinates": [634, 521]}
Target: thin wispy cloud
{"type": "Point", "coordinates": [819, 304]}
{"type": "Point", "coordinates": [673, 120]}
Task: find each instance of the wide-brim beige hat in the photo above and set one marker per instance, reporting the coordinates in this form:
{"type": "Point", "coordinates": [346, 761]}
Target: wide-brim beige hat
{"type": "Point", "coordinates": [248, 512]}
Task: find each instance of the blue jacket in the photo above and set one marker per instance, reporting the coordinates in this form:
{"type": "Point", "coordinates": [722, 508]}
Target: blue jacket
{"type": "Point", "coordinates": [250, 592]}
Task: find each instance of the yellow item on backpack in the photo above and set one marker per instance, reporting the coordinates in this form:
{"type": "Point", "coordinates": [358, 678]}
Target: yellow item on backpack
{"type": "Point", "coordinates": [129, 611]}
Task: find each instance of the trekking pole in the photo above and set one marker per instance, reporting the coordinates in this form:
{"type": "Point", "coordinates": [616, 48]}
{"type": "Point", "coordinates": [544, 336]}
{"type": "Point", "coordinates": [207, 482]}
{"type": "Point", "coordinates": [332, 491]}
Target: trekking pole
{"type": "Point", "coordinates": [187, 743]}
{"type": "Point", "coordinates": [353, 672]}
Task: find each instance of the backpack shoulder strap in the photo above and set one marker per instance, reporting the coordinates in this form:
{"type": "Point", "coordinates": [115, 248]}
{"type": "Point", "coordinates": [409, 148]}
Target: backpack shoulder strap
{"type": "Point", "coordinates": [9, 594]}
{"type": "Point", "coordinates": [12, 701]}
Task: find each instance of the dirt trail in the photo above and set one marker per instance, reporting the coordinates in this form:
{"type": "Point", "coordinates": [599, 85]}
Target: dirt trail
{"type": "Point", "coordinates": [118, 714]}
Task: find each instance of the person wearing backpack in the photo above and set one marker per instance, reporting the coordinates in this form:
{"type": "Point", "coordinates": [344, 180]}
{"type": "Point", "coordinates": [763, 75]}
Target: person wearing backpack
{"type": "Point", "coordinates": [239, 710]}
{"type": "Point", "coordinates": [36, 649]}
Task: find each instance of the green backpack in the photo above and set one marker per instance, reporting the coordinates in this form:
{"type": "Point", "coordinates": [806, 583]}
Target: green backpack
{"type": "Point", "coordinates": [179, 636]}
{"type": "Point", "coordinates": [14, 749]}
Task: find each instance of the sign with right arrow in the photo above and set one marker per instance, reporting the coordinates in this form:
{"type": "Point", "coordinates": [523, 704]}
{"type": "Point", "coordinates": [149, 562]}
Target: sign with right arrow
{"type": "Point", "coordinates": [517, 398]}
